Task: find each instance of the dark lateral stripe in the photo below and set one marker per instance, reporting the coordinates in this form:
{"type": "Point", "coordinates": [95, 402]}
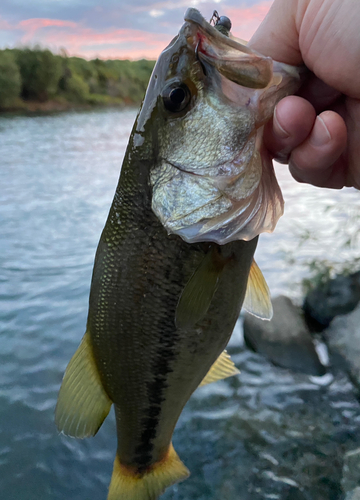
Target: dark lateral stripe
{"type": "Point", "coordinates": [161, 366]}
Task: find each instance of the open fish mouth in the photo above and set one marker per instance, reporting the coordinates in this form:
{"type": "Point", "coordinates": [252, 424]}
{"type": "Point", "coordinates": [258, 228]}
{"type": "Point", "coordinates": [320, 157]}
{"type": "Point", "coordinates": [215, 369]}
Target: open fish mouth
{"type": "Point", "coordinates": [213, 180]}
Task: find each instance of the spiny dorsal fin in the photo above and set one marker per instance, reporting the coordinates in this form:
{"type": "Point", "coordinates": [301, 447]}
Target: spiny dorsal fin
{"type": "Point", "coordinates": [127, 485]}
{"type": "Point", "coordinates": [257, 298]}
{"type": "Point", "coordinates": [222, 368]}
{"type": "Point", "coordinates": [199, 291]}
{"type": "Point", "coordinates": [82, 404]}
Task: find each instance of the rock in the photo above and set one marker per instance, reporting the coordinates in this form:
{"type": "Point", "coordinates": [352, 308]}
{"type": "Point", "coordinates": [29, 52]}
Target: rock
{"type": "Point", "coordinates": [338, 296]}
{"type": "Point", "coordinates": [285, 340]}
{"type": "Point", "coordinates": [351, 472]}
{"type": "Point", "coordinates": [343, 337]}
{"type": "Point", "coordinates": [353, 495]}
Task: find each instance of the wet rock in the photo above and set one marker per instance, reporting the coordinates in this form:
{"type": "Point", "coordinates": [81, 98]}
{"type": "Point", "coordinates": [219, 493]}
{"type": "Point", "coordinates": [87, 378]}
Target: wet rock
{"type": "Point", "coordinates": [338, 296]}
{"type": "Point", "coordinates": [285, 340]}
{"type": "Point", "coordinates": [266, 434]}
{"type": "Point", "coordinates": [351, 472]}
{"type": "Point", "coordinates": [343, 338]}
{"type": "Point", "coordinates": [353, 495]}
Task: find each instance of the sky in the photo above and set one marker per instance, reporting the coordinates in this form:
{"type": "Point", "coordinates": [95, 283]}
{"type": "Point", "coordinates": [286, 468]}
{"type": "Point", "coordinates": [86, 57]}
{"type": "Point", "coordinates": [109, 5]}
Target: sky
{"type": "Point", "coordinates": [114, 29]}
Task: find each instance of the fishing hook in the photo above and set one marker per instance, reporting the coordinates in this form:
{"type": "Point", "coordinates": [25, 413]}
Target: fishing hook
{"type": "Point", "coordinates": [215, 18]}
{"type": "Point", "coordinates": [198, 58]}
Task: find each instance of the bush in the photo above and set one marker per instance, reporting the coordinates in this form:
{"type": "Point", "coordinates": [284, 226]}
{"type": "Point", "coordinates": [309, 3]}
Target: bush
{"type": "Point", "coordinates": [10, 79]}
{"type": "Point", "coordinates": [43, 75]}
{"type": "Point", "coordinates": [76, 90]}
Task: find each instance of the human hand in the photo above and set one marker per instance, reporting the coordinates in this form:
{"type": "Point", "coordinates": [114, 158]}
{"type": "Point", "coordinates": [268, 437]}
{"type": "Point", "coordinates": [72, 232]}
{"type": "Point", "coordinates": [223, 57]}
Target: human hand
{"type": "Point", "coordinates": [318, 131]}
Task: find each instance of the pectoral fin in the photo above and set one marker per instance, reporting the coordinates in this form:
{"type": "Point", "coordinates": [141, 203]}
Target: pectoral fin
{"type": "Point", "coordinates": [257, 298]}
{"type": "Point", "coordinates": [222, 368]}
{"type": "Point", "coordinates": [198, 293]}
{"type": "Point", "coordinates": [82, 403]}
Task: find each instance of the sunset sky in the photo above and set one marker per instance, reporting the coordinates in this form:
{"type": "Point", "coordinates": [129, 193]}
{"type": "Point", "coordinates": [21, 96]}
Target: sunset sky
{"type": "Point", "coordinates": [114, 28]}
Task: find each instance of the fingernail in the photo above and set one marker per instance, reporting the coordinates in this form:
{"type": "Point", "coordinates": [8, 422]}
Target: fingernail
{"type": "Point", "coordinates": [278, 128]}
{"type": "Point", "coordinates": [320, 134]}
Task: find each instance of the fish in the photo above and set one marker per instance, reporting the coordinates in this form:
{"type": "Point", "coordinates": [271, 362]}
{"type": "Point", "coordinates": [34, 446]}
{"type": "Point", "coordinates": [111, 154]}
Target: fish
{"type": "Point", "coordinates": [174, 264]}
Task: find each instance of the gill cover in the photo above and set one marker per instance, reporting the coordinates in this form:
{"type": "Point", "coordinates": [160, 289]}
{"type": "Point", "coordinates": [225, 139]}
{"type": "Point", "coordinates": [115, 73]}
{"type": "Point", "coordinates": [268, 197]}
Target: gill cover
{"type": "Point", "coordinates": [211, 95]}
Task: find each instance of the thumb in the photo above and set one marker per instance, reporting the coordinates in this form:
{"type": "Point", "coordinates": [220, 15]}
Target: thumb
{"type": "Point", "coordinates": [278, 34]}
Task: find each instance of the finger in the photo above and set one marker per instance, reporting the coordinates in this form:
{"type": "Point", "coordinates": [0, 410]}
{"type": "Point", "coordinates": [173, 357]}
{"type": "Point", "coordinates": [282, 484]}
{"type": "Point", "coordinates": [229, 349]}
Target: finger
{"type": "Point", "coordinates": [293, 120]}
{"type": "Point", "coordinates": [316, 160]}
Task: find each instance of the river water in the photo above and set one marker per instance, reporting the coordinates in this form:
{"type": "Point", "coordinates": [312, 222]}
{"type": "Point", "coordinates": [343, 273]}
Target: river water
{"type": "Point", "coordinates": [267, 433]}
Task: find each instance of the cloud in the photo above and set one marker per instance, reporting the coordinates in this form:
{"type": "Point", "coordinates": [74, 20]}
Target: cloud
{"type": "Point", "coordinates": [31, 26]}
{"type": "Point", "coordinates": [87, 42]}
{"type": "Point", "coordinates": [245, 20]}
{"type": "Point", "coordinates": [5, 25]}
{"type": "Point", "coordinates": [112, 30]}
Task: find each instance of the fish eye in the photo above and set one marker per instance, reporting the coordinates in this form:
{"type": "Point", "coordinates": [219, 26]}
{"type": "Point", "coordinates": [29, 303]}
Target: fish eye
{"type": "Point", "coordinates": [176, 97]}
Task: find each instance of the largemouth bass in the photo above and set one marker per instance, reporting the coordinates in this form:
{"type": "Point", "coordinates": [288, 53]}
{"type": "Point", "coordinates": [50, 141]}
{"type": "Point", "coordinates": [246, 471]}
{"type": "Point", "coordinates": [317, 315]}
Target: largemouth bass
{"type": "Point", "coordinates": [175, 259]}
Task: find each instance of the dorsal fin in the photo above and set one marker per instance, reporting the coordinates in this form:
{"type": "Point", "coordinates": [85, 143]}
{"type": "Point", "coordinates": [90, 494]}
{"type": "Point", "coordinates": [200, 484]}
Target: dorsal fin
{"type": "Point", "coordinates": [199, 291]}
{"type": "Point", "coordinates": [222, 368]}
{"type": "Point", "coordinates": [257, 298]}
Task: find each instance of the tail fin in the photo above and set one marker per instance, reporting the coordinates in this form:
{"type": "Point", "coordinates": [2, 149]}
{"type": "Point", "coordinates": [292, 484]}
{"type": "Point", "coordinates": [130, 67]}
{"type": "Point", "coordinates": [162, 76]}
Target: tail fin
{"type": "Point", "coordinates": [125, 485]}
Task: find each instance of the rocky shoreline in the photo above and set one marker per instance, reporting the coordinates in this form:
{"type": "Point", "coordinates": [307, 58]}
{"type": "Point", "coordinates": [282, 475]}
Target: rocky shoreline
{"type": "Point", "coordinates": [297, 337]}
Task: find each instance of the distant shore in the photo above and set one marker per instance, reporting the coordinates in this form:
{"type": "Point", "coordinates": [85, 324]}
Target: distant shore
{"type": "Point", "coordinates": [58, 106]}
{"type": "Point", "coordinates": [38, 81]}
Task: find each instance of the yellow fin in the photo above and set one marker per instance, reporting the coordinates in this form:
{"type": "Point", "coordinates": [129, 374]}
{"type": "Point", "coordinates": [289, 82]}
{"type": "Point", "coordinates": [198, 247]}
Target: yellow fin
{"type": "Point", "coordinates": [222, 368]}
{"type": "Point", "coordinates": [257, 298]}
{"type": "Point", "coordinates": [199, 291]}
{"type": "Point", "coordinates": [82, 403]}
{"type": "Point", "coordinates": [125, 485]}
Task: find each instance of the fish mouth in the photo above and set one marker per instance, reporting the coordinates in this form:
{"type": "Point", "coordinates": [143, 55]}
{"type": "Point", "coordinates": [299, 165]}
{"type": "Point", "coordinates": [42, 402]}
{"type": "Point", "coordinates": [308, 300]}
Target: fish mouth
{"type": "Point", "coordinates": [234, 60]}
{"type": "Point", "coordinates": [224, 190]}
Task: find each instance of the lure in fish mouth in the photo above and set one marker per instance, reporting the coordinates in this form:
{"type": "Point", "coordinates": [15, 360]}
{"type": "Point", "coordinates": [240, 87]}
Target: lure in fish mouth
{"type": "Point", "coordinates": [172, 269]}
{"type": "Point", "coordinates": [214, 181]}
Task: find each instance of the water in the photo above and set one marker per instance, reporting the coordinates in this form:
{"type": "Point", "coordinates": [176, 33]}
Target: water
{"type": "Point", "coordinates": [266, 434]}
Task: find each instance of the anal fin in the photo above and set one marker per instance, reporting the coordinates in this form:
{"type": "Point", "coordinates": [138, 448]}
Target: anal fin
{"type": "Point", "coordinates": [126, 484]}
{"type": "Point", "coordinates": [82, 404]}
{"type": "Point", "coordinates": [222, 368]}
{"type": "Point", "coordinates": [257, 298]}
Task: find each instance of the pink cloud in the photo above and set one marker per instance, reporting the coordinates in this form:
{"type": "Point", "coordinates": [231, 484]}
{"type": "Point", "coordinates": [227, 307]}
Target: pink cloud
{"type": "Point", "coordinates": [38, 23]}
{"type": "Point", "coordinates": [245, 21]}
{"type": "Point", "coordinates": [119, 43]}
{"type": "Point", "coordinates": [4, 25]}
{"type": "Point", "coordinates": [31, 26]}
{"type": "Point", "coordinates": [123, 43]}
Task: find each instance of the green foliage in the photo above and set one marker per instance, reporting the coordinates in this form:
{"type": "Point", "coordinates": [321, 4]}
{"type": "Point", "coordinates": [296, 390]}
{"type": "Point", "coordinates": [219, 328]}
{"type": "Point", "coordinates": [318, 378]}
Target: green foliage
{"type": "Point", "coordinates": [127, 78]}
{"type": "Point", "coordinates": [10, 79]}
{"type": "Point", "coordinates": [40, 72]}
{"type": "Point", "coordinates": [40, 75]}
{"type": "Point", "coordinates": [76, 89]}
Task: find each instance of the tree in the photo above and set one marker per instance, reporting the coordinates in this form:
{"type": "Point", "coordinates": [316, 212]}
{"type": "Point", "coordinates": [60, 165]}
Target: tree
{"type": "Point", "coordinates": [10, 79]}
{"type": "Point", "coordinates": [40, 71]}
